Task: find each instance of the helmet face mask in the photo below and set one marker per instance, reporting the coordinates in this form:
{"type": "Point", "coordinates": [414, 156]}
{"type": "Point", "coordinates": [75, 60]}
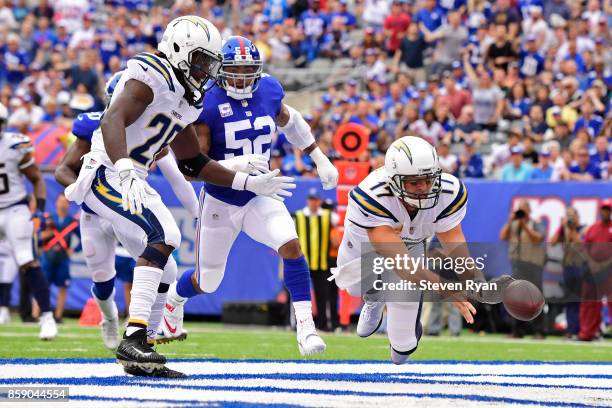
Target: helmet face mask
{"type": "Point", "coordinates": [201, 67]}
{"type": "Point", "coordinates": [421, 192]}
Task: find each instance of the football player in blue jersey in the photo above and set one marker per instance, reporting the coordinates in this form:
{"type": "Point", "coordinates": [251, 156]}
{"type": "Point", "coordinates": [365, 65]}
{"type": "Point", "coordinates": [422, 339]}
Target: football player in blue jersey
{"type": "Point", "coordinates": [242, 112]}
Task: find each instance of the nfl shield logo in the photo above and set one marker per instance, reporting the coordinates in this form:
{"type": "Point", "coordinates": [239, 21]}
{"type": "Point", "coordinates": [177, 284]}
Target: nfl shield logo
{"type": "Point", "coordinates": [225, 110]}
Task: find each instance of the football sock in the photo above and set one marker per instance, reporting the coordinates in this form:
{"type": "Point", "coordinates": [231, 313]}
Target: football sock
{"type": "Point", "coordinates": [303, 310]}
{"type": "Point", "coordinates": [103, 290]}
{"type": "Point", "coordinates": [297, 278]}
{"type": "Point", "coordinates": [144, 292]}
{"type": "Point", "coordinates": [39, 287]}
{"type": "Point", "coordinates": [183, 288]}
{"type": "Point", "coordinates": [5, 294]}
{"type": "Point", "coordinates": [107, 306]}
{"type": "Point", "coordinates": [157, 311]}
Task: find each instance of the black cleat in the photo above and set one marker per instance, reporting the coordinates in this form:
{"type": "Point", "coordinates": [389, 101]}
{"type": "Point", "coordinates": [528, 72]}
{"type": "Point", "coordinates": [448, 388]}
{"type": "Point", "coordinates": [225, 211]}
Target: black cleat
{"type": "Point", "coordinates": [163, 372]}
{"type": "Point", "coordinates": [134, 351]}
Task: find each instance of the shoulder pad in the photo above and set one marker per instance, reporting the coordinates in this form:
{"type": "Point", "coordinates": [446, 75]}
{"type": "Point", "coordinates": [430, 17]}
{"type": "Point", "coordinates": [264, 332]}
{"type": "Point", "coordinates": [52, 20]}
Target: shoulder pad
{"type": "Point", "coordinates": [149, 65]}
{"type": "Point", "coordinates": [21, 142]}
{"type": "Point", "coordinates": [453, 196]}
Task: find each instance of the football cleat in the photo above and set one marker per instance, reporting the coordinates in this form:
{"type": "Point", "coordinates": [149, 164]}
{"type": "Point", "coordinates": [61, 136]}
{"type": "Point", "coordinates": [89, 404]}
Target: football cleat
{"type": "Point", "coordinates": [164, 336]}
{"type": "Point", "coordinates": [398, 357]}
{"type": "Point", "coordinates": [5, 315]}
{"type": "Point", "coordinates": [172, 323]}
{"type": "Point", "coordinates": [309, 342]}
{"type": "Point", "coordinates": [110, 333]}
{"type": "Point", "coordinates": [163, 372]}
{"type": "Point", "coordinates": [48, 327]}
{"type": "Point", "coordinates": [371, 317]}
{"type": "Point", "coordinates": [134, 351]}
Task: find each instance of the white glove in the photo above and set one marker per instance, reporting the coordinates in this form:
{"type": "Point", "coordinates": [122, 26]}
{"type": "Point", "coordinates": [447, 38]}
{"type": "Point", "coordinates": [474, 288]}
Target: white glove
{"type": "Point", "coordinates": [248, 163]}
{"type": "Point", "coordinates": [327, 172]}
{"type": "Point", "coordinates": [267, 184]}
{"type": "Point", "coordinates": [133, 188]}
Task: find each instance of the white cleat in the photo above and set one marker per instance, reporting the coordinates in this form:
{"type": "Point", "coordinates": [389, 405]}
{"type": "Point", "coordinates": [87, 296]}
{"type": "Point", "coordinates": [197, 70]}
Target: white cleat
{"type": "Point", "coordinates": [5, 315]}
{"type": "Point", "coordinates": [397, 357]}
{"type": "Point", "coordinates": [110, 333]}
{"type": "Point", "coordinates": [48, 327]}
{"type": "Point", "coordinates": [309, 342]}
{"type": "Point", "coordinates": [370, 318]}
{"type": "Point", "coordinates": [171, 327]}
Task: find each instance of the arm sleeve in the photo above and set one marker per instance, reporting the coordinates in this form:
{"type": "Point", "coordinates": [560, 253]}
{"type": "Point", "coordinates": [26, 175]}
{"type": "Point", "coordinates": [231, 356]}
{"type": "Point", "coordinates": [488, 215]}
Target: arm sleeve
{"type": "Point", "coordinates": [182, 188]}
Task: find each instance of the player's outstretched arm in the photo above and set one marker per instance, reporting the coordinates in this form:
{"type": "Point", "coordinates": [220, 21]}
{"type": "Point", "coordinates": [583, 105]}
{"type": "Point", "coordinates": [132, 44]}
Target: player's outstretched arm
{"type": "Point", "coordinates": [193, 163]}
{"type": "Point", "coordinates": [67, 171]}
{"type": "Point", "coordinates": [298, 133]}
{"type": "Point", "coordinates": [31, 171]}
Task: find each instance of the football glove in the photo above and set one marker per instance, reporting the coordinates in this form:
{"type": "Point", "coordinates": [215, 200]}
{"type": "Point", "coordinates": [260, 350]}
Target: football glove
{"type": "Point", "coordinates": [133, 188]}
{"type": "Point", "coordinates": [271, 185]}
{"type": "Point", "coordinates": [249, 163]}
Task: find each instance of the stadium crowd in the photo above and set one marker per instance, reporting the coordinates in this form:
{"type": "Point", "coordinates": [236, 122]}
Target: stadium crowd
{"type": "Point", "coordinates": [512, 89]}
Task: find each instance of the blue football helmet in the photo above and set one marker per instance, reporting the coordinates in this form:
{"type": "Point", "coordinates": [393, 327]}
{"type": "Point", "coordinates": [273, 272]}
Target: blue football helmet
{"type": "Point", "coordinates": [111, 84]}
{"type": "Point", "coordinates": [240, 52]}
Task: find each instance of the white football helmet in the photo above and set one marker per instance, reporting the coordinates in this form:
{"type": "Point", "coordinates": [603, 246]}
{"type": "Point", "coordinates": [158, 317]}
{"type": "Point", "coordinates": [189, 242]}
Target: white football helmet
{"type": "Point", "coordinates": [409, 160]}
{"type": "Point", "coordinates": [192, 45]}
{"type": "Point", "coordinates": [3, 117]}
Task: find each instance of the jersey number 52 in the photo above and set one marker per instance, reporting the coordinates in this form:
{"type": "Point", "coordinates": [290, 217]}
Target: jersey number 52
{"type": "Point", "coordinates": [247, 145]}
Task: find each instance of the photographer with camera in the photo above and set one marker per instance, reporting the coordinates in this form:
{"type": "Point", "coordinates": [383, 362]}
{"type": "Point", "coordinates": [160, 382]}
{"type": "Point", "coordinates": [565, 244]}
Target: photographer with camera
{"type": "Point", "coordinates": [569, 235]}
{"type": "Point", "coordinates": [528, 255]}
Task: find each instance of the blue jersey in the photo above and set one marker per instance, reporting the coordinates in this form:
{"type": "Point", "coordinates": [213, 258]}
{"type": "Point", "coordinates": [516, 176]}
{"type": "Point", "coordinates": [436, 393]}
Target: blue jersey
{"type": "Point", "coordinates": [241, 127]}
{"type": "Point", "coordinates": [83, 128]}
{"type": "Point", "coordinates": [85, 125]}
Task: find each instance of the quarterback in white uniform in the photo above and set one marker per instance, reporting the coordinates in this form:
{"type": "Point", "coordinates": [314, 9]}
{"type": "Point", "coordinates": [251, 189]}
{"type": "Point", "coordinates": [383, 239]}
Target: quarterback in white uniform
{"type": "Point", "coordinates": [395, 210]}
{"type": "Point", "coordinates": [153, 105]}
{"type": "Point", "coordinates": [16, 161]}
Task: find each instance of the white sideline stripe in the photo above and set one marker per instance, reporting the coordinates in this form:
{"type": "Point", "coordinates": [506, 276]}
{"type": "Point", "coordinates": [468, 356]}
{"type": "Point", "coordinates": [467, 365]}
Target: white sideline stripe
{"type": "Point", "coordinates": [219, 367]}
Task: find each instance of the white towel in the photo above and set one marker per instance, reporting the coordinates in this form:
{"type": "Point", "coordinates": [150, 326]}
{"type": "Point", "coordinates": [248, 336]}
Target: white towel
{"type": "Point", "coordinates": [347, 275]}
{"type": "Point", "coordinates": [76, 191]}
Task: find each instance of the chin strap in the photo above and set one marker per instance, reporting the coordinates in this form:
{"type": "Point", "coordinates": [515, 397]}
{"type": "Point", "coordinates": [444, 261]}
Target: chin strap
{"type": "Point", "coordinates": [239, 96]}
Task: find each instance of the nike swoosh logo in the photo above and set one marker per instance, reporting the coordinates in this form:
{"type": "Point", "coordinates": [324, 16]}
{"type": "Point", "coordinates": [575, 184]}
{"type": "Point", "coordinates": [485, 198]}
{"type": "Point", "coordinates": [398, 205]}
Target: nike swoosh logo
{"type": "Point", "coordinates": [143, 67]}
{"type": "Point", "coordinates": [172, 329]}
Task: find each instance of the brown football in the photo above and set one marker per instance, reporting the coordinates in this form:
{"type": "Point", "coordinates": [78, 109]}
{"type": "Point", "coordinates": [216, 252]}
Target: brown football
{"type": "Point", "coordinates": [523, 300]}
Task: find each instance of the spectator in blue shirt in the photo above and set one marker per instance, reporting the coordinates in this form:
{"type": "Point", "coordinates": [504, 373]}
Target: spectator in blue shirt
{"type": "Point", "coordinates": [531, 63]}
{"type": "Point", "coordinates": [588, 119]}
{"type": "Point", "coordinates": [516, 169]}
{"type": "Point", "coordinates": [16, 61]}
{"type": "Point", "coordinates": [601, 155]}
{"type": "Point", "coordinates": [44, 33]}
{"type": "Point", "coordinates": [430, 15]}
{"type": "Point", "coordinates": [544, 170]}
{"type": "Point", "coordinates": [277, 11]}
{"type": "Point", "coordinates": [584, 169]}
{"type": "Point", "coordinates": [341, 11]}
{"type": "Point", "coordinates": [470, 162]}
{"type": "Point", "coordinates": [313, 23]}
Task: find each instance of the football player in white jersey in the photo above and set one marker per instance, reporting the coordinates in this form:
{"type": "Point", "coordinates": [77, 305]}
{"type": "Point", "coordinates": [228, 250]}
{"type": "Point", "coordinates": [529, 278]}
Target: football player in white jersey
{"type": "Point", "coordinates": [8, 273]}
{"type": "Point", "coordinates": [154, 105]}
{"type": "Point", "coordinates": [395, 210]}
{"type": "Point", "coordinates": [98, 235]}
{"type": "Point", "coordinates": [17, 161]}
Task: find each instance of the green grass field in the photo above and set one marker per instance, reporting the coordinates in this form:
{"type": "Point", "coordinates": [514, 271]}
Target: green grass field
{"type": "Point", "coordinates": [214, 340]}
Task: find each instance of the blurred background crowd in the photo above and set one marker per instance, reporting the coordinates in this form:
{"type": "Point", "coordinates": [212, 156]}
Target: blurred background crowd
{"type": "Point", "coordinates": [507, 89]}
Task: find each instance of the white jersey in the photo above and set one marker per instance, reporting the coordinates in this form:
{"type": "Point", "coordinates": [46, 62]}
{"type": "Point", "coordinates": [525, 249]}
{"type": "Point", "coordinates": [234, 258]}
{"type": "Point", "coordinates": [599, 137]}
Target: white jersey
{"type": "Point", "coordinates": [13, 148]}
{"type": "Point", "coordinates": [372, 204]}
{"type": "Point", "coordinates": [167, 115]}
